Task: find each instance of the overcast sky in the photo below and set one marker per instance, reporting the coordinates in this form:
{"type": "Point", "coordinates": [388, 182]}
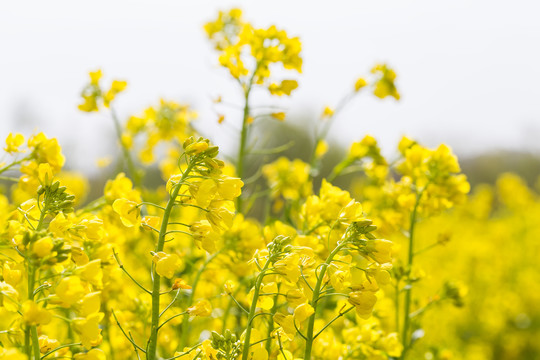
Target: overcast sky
{"type": "Point", "coordinates": [468, 70]}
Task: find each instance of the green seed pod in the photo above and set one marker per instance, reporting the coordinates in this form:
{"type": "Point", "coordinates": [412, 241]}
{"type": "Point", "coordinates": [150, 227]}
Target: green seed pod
{"type": "Point", "coordinates": [54, 186]}
{"type": "Point", "coordinates": [370, 228]}
{"type": "Point", "coordinates": [212, 151]}
{"type": "Point", "coordinates": [370, 236]}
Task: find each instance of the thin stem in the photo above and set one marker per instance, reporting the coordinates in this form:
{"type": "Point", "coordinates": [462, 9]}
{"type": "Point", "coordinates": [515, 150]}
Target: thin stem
{"type": "Point", "coordinates": [338, 169]}
{"type": "Point", "coordinates": [125, 334]}
{"type": "Point", "coordinates": [238, 304]}
{"type": "Point", "coordinates": [243, 134]}
{"type": "Point", "coordinates": [8, 178]}
{"type": "Point", "coordinates": [58, 348]}
{"type": "Point", "coordinates": [185, 322]}
{"type": "Point", "coordinates": [322, 135]}
{"type": "Point", "coordinates": [7, 167]}
{"type": "Point", "coordinates": [35, 342]}
{"type": "Point", "coordinates": [125, 151]}
{"type": "Point", "coordinates": [172, 317]}
{"type": "Point", "coordinates": [397, 303]}
{"type": "Point", "coordinates": [152, 341]}
{"type": "Point", "coordinates": [408, 288]}
{"type": "Point", "coordinates": [185, 352]}
{"type": "Point", "coordinates": [121, 266]}
{"type": "Point", "coordinates": [271, 323]}
{"type": "Point", "coordinates": [331, 321]}
{"type": "Point", "coordinates": [170, 304]}
{"type": "Point", "coordinates": [258, 282]}
{"type": "Point", "coordinates": [315, 299]}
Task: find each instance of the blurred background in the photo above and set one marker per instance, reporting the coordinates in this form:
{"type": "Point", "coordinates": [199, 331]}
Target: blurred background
{"type": "Point", "coordinates": [467, 71]}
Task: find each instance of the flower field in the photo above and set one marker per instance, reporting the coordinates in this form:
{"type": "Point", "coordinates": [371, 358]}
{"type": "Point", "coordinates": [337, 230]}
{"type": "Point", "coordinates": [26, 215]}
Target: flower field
{"type": "Point", "coordinates": [227, 261]}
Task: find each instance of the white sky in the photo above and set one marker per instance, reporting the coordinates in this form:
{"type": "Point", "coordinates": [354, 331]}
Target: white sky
{"type": "Point", "coordinates": [468, 70]}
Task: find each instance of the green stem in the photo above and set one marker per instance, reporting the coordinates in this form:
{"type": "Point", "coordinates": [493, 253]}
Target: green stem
{"type": "Point", "coordinates": [35, 342]}
{"type": "Point", "coordinates": [58, 348]}
{"type": "Point", "coordinates": [408, 288]}
{"type": "Point", "coordinates": [332, 321]}
{"type": "Point", "coordinates": [185, 321]}
{"type": "Point", "coordinates": [6, 168]}
{"type": "Point", "coordinates": [322, 134]}
{"type": "Point", "coordinates": [397, 304]}
{"type": "Point", "coordinates": [125, 151]}
{"type": "Point", "coordinates": [27, 348]}
{"type": "Point", "coordinates": [7, 178]}
{"type": "Point", "coordinates": [258, 282]}
{"type": "Point", "coordinates": [271, 323]}
{"type": "Point", "coordinates": [152, 341]}
{"type": "Point", "coordinates": [243, 142]}
{"type": "Point", "coordinates": [228, 308]}
{"type": "Point", "coordinates": [338, 169]}
{"type": "Point", "coordinates": [315, 300]}
{"type": "Point", "coordinates": [31, 331]}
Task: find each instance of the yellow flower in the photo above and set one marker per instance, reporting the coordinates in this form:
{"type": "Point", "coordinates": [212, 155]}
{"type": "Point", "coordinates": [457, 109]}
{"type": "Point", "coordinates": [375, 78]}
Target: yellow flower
{"type": "Point", "coordinates": [88, 329]}
{"type": "Point", "coordinates": [229, 188]}
{"type": "Point", "coordinates": [229, 287]}
{"type": "Point", "coordinates": [363, 301]}
{"type": "Point", "coordinates": [43, 247]}
{"type": "Point", "coordinates": [121, 188]}
{"type": "Point", "coordinates": [59, 225]}
{"type": "Point", "coordinates": [202, 308]}
{"type": "Point", "coordinates": [47, 151]}
{"type": "Point", "coordinates": [284, 88]}
{"type": "Point", "coordinates": [45, 174]}
{"type": "Point", "coordinates": [327, 112]}
{"type": "Point", "coordinates": [151, 222]}
{"type": "Point", "coordinates": [289, 179]}
{"type": "Point", "coordinates": [380, 250]}
{"type": "Point", "coordinates": [116, 88]}
{"type": "Point", "coordinates": [30, 209]}
{"type": "Point", "coordinates": [70, 290]}
{"type": "Point", "coordinates": [78, 256]}
{"type": "Point", "coordinates": [95, 76]}
{"type": "Point", "coordinates": [92, 272]}
{"type": "Point", "coordinates": [392, 345]}
{"type": "Point", "coordinates": [204, 192]}
{"type": "Point", "coordinates": [385, 86]}
{"type": "Point", "coordinates": [288, 267]}
{"type": "Point", "coordinates": [278, 115]}
{"type": "Point", "coordinates": [9, 297]}
{"type": "Point", "coordinates": [166, 264]}
{"type": "Point", "coordinates": [351, 213]}
{"type": "Point", "coordinates": [180, 284]}
{"type": "Point", "coordinates": [91, 228]}
{"type": "Point", "coordinates": [220, 214]}
{"type": "Point", "coordinates": [321, 148]}
{"type": "Point", "coordinates": [90, 304]}
{"type": "Point", "coordinates": [11, 354]}
{"type": "Point", "coordinates": [46, 344]}
{"type": "Point", "coordinates": [302, 312]}
{"type": "Point", "coordinates": [129, 212]}
{"type": "Point", "coordinates": [360, 83]}
{"type": "Point", "coordinates": [11, 275]}
{"type": "Point", "coordinates": [33, 314]}
{"type": "Point", "coordinates": [94, 354]}
{"type": "Point", "coordinates": [13, 142]}
{"type": "Point", "coordinates": [287, 324]}
{"type": "Point", "coordinates": [89, 104]}
{"type": "Point", "coordinates": [104, 162]}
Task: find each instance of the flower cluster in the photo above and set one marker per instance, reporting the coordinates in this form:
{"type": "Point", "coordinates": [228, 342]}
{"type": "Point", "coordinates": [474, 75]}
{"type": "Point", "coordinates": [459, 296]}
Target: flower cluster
{"type": "Point", "coordinates": [194, 267]}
